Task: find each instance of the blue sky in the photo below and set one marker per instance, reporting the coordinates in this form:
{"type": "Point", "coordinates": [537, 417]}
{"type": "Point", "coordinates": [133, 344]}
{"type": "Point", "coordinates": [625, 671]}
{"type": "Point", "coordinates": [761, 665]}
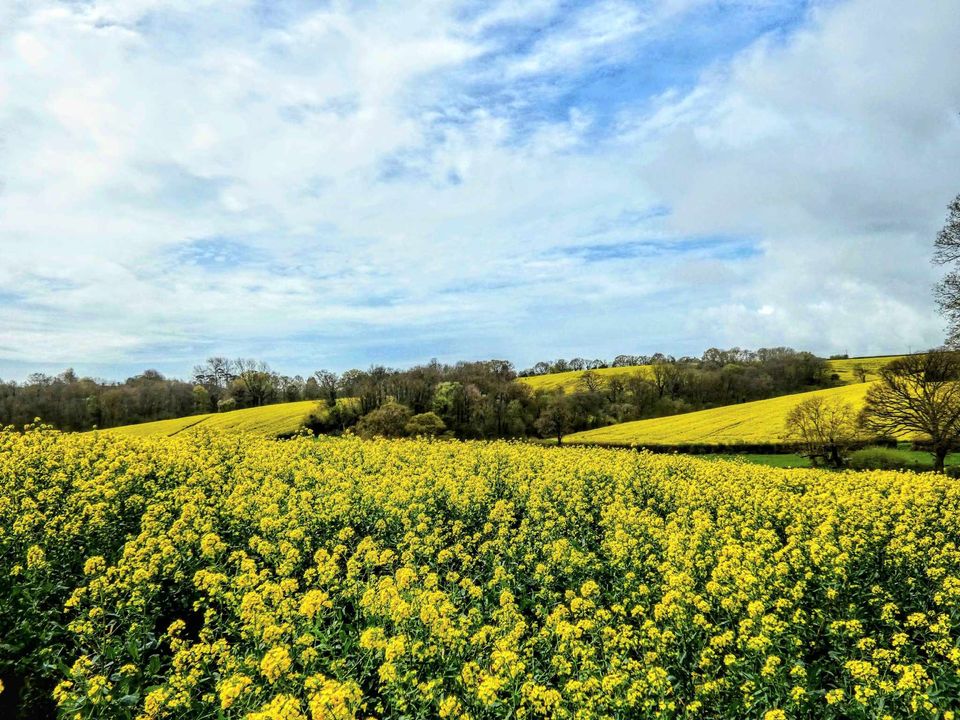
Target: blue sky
{"type": "Point", "coordinates": [336, 184]}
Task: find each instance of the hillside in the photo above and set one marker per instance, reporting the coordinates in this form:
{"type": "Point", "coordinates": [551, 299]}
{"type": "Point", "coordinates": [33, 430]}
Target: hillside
{"type": "Point", "coordinates": [270, 420]}
{"type": "Point", "coordinates": [760, 421]}
{"type": "Point", "coordinates": [568, 381]}
{"type": "Point", "coordinates": [844, 367]}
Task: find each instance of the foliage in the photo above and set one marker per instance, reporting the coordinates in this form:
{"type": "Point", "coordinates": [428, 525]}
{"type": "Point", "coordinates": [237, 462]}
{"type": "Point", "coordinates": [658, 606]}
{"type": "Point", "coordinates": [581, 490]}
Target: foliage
{"type": "Point", "coordinates": [844, 368]}
{"type": "Point", "coordinates": [388, 420]}
{"type": "Point", "coordinates": [556, 418]}
{"type": "Point", "coordinates": [424, 424]}
{"type": "Point", "coordinates": [473, 399]}
{"type": "Point", "coordinates": [238, 577]}
{"type": "Point", "coordinates": [876, 458]}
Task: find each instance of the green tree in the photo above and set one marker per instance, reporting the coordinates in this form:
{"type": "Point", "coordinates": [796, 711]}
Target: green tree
{"type": "Point", "coordinates": [426, 424]}
{"type": "Point", "coordinates": [556, 418]}
{"type": "Point", "coordinates": [201, 399]}
{"type": "Point", "coordinates": [388, 420]}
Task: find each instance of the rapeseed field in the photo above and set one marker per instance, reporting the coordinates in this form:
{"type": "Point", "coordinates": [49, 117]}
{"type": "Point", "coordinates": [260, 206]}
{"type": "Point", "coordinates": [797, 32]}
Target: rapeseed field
{"type": "Point", "coordinates": [231, 576]}
{"type": "Point", "coordinates": [570, 381]}
{"type": "Point", "coordinates": [269, 420]}
{"type": "Point", "coordinates": [760, 421]}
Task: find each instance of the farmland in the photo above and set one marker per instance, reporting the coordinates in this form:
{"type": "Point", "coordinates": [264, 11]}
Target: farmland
{"type": "Point", "coordinates": [269, 420]}
{"type": "Point", "coordinates": [569, 381]}
{"type": "Point", "coordinates": [761, 421]}
{"type": "Point", "coordinates": [232, 576]}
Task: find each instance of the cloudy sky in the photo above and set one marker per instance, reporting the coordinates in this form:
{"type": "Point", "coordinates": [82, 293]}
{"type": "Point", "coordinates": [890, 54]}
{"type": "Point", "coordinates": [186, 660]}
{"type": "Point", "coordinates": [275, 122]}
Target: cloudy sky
{"type": "Point", "coordinates": [334, 184]}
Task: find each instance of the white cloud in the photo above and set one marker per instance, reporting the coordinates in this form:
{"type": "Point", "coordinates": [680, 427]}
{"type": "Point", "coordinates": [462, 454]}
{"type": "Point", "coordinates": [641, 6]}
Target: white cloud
{"type": "Point", "coordinates": [393, 201]}
{"type": "Point", "coordinates": [838, 148]}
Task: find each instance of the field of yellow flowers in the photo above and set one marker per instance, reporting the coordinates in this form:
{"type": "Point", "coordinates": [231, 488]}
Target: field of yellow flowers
{"type": "Point", "coordinates": [232, 576]}
{"type": "Point", "coordinates": [759, 421]}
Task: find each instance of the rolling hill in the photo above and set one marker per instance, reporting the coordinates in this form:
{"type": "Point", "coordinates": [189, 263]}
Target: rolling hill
{"type": "Point", "coordinates": [270, 420]}
{"type": "Point", "coordinates": [568, 381]}
{"type": "Point", "coordinates": [753, 422]}
{"type": "Point", "coordinates": [761, 421]}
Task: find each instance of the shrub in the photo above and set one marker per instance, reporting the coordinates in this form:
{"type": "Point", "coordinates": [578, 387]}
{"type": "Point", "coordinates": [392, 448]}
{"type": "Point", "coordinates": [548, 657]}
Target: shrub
{"type": "Point", "coordinates": [426, 424]}
{"type": "Point", "coordinates": [226, 404]}
{"type": "Point", "coordinates": [879, 458]}
{"type": "Point", "coordinates": [388, 420]}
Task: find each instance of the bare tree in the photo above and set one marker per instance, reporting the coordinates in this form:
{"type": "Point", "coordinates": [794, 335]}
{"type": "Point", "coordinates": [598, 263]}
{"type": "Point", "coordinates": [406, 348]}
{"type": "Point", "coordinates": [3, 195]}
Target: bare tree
{"type": "Point", "coordinates": [918, 394]}
{"type": "Point", "coordinates": [216, 372]}
{"type": "Point", "coordinates": [661, 375]}
{"type": "Point", "coordinates": [328, 386]}
{"type": "Point", "coordinates": [860, 372]}
{"type": "Point", "coordinates": [825, 428]}
{"type": "Point", "coordinates": [947, 252]}
{"type": "Point", "coordinates": [590, 381]}
{"type": "Point", "coordinates": [257, 380]}
{"type": "Point", "coordinates": [215, 376]}
{"type": "Point", "coordinates": [667, 376]}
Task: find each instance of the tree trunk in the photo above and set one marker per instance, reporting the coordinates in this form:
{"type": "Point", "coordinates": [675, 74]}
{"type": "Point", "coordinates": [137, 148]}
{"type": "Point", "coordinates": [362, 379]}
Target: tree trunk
{"type": "Point", "coordinates": [835, 459]}
{"type": "Point", "coordinates": [939, 455]}
{"type": "Point", "coordinates": [559, 438]}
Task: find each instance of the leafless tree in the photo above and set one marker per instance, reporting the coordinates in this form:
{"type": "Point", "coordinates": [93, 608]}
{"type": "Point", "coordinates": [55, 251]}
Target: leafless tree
{"type": "Point", "coordinates": [918, 394]}
{"type": "Point", "coordinates": [328, 386]}
{"type": "Point", "coordinates": [216, 372]}
{"type": "Point", "coordinates": [257, 380]}
{"type": "Point", "coordinates": [947, 252]}
{"type": "Point", "coordinates": [860, 372]}
{"type": "Point", "coordinates": [590, 382]}
{"type": "Point", "coordinates": [667, 377]}
{"type": "Point", "coordinates": [825, 428]}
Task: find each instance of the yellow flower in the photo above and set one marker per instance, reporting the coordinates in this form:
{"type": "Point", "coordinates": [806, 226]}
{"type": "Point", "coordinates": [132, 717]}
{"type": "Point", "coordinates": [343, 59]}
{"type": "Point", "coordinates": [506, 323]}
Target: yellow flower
{"type": "Point", "coordinates": [36, 557]}
{"type": "Point", "coordinates": [232, 688]}
{"type": "Point", "coordinates": [834, 696]}
{"type": "Point", "coordinates": [449, 707]}
{"type": "Point", "coordinates": [94, 565]}
{"type": "Point", "coordinates": [282, 707]}
{"type": "Point", "coordinates": [275, 663]}
{"type": "Point", "coordinates": [313, 602]}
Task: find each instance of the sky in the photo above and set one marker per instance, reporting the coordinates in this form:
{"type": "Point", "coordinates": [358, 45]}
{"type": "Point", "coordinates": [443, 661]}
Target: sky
{"type": "Point", "coordinates": [337, 184]}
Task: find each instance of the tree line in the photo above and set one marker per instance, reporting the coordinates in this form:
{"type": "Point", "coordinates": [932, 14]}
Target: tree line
{"type": "Point", "coordinates": [482, 399]}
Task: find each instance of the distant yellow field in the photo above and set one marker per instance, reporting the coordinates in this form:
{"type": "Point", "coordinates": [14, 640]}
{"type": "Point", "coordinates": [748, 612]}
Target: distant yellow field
{"type": "Point", "coordinates": [761, 421]}
{"type": "Point", "coordinates": [568, 381]}
{"type": "Point", "coordinates": [844, 368]}
{"type": "Point", "coordinates": [270, 420]}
